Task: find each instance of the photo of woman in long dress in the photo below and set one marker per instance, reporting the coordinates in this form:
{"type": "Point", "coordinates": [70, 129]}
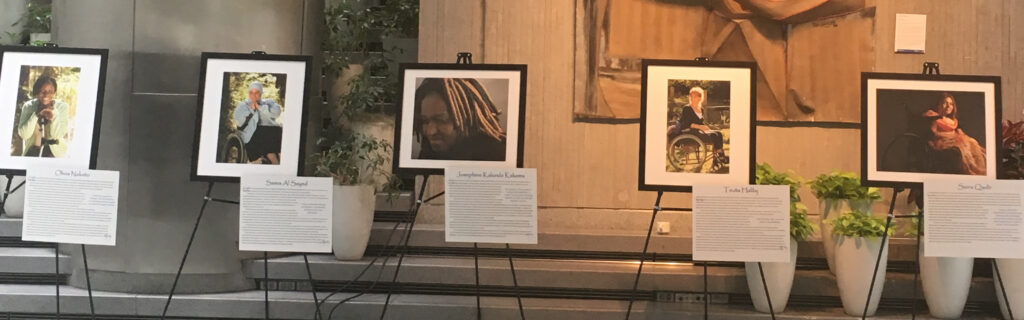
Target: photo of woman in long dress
{"type": "Point", "coordinates": [947, 135]}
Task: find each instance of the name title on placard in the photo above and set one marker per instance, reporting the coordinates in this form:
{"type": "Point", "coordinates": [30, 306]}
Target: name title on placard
{"type": "Point", "coordinates": [71, 173]}
{"type": "Point", "coordinates": [286, 183]}
{"type": "Point", "coordinates": [490, 174]}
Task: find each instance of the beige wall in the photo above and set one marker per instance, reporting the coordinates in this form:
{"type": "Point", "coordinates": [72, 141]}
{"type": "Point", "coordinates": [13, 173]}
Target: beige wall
{"type": "Point", "coordinates": [588, 172]}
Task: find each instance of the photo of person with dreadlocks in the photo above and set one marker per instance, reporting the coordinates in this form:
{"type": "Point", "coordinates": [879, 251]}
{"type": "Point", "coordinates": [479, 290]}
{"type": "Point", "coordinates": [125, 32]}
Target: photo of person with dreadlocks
{"type": "Point", "coordinates": [455, 119]}
{"type": "Point", "coordinates": [460, 117]}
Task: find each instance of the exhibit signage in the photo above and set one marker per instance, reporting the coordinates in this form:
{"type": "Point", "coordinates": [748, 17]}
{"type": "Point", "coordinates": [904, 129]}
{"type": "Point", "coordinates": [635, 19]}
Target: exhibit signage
{"type": "Point", "coordinates": [981, 219]}
{"type": "Point", "coordinates": [71, 206]}
{"type": "Point", "coordinates": [285, 213]}
{"type": "Point", "coordinates": [490, 205]}
{"type": "Point", "coordinates": [741, 223]}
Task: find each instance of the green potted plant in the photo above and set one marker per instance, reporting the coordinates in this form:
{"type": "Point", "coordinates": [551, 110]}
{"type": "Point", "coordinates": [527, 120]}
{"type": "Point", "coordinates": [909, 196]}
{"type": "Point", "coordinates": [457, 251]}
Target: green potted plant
{"type": "Point", "coordinates": [858, 243]}
{"type": "Point", "coordinates": [355, 162]}
{"type": "Point", "coordinates": [946, 281]}
{"type": "Point", "coordinates": [839, 192]}
{"type": "Point", "coordinates": [779, 275]}
{"type": "Point", "coordinates": [34, 21]}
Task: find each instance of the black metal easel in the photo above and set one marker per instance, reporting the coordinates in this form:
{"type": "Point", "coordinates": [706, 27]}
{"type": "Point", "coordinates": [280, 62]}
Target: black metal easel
{"type": "Point", "coordinates": [56, 255]}
{"type": "Point", "coordinates": [704, 264]}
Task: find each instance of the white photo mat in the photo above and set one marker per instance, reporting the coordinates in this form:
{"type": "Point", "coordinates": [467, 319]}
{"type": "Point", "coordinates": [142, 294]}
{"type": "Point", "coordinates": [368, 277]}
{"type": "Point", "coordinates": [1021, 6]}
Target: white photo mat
{"type": "Point", "coordinates": [657, 117]}
{"type": "Point", "coordinates": [80, 149]}
{"type": "Point", "coordinates": [873, 85]}
{"type": "Point", "coordinates": [291, 117]}
{"type": "Point", "coordinates": [406, 160]}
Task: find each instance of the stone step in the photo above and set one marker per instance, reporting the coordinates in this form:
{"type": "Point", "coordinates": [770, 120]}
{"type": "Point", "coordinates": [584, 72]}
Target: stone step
{"type": "Point", "coordinates": [10, 227]}
{"type": "Point", "coordinates": [596, 279]}
{"type": "Point", "coordinates": [36, 301]}
{"type": "Point", "coordinates": [31, 261]}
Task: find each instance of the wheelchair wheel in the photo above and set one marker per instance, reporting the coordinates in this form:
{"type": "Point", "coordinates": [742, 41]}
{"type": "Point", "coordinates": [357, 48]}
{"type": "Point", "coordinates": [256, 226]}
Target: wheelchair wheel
{"type": "Point", "coordinates": [687, 153]}
{"type": "Point", "coordinates": [233, 150]}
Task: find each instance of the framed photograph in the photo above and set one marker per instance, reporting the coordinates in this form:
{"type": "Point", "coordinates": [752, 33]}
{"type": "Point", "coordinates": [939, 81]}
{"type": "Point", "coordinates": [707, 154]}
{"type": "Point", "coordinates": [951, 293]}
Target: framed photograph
{"type": "Point", "coordinates": [251, 116]}
{"type": "Point", "coordinates": [51, 98]}
{"type": "Point", "coordinates": [919, 127]}
{"type": "Point", "coordinates": [696, 124]}
{"type": "Point", "coordinates": [460, 115]}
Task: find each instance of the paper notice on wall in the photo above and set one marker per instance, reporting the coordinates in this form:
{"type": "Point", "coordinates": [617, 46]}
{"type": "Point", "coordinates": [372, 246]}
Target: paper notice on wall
{"type": "Point", "coordinates": [911, 31]}
{"type": "Point", "coordinates": [71, 206]}
{"type": "Point", "coordinates": [490, 205]}
{"type": "Point", "coordinates": [972, 219]}
{"type": "Point", "coordinates": [283, 213]}
{"type": "Point", "coordinates": [741, 223]}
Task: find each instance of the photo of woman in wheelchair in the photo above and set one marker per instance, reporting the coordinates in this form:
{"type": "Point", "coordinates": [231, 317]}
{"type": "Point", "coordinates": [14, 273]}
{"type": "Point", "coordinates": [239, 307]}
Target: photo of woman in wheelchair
{"type": "Point", "coordinates": [695, 139]}
{"type": "Point", "coordinates": [962, 153]}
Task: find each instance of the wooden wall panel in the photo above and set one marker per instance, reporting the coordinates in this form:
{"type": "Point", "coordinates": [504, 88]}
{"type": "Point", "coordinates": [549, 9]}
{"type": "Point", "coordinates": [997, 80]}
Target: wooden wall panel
{"type": "Point", "coordinates": [1013, 91]}
{"type": "Point", "coordinates": [964, 37]}
{"type": "Point", "coordinates": [449, 27]}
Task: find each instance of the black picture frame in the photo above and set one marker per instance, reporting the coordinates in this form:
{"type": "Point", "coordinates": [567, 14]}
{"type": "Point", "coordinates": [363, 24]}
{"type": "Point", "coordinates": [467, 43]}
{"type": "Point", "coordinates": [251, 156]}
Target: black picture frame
{"type": "Point", "coordinates": [867, 177]}
{"type": "Point", "coordinates": [201, 95]}
{"type": "Point", "coordinates": [397, 166]}
{"type": "Point", "coordinates": [642, 183]}
{"type": "Point", "coordinates": [100, 87]}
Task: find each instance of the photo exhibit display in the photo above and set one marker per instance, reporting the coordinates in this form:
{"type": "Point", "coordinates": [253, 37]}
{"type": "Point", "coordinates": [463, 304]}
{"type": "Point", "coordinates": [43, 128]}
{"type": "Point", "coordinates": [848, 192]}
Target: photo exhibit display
{"type": "Point", "coordinates": [920, 127]}
{"type": "Point", "coordinates": [696, 124]}
{"type": "Point", "coordinates": [51, 98]}
{"type": "Point", "coordinates": [460, 115]}
{"type": "Point", "coordinates": [251, 116]}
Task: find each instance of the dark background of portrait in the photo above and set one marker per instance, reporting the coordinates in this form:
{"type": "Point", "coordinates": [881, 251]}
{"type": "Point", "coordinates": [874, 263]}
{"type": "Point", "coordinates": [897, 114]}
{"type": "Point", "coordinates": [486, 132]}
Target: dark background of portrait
{"type": "Point", "coordinates": [236, 89]}
{"type": "Point", "coordinates": [496, 88]}
{"type": "Point", "coordinates": [899, 111]}
{"type": "Point", "coordinates": [67, 92]}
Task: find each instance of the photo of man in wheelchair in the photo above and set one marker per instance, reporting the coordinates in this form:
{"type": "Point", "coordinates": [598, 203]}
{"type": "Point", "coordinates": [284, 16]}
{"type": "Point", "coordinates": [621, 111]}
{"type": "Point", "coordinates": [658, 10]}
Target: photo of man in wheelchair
{"type": "Point", "coordinates": [937, 137]}
{"type": "Point", "coordinates": [698, 134]}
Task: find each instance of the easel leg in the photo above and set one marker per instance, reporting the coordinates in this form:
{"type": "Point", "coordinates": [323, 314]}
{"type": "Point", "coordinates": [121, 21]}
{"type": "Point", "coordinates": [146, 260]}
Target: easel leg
{"type": "Point", "coordinates": [643, 254]}
{"type": "Point", "coordinates": [515, 282]}
{"type": "Point", "coordinates": [266, 286]}
{"type": "Point", "coordinates": [707, 297]}
{"type": "Point", "coordinates": [476, 275]}
{"type": "Point", "coordinates": [312, 288]}
{"type": "Point", "coordinates": [881, 251]}
{"type": "Point", "coordinates": [917, 266]}
{"type": "Point", "coordinates": [767, 295]}
{"type": "Point", "coordinates": [188, 247]}
{"type": "Point", "coordinates": [56, 274]}
{"type": "Point", "coordinates": [88, 283]}
{"type": "Point", "coordinates": [1006, 299]}
{"type": "Point", "coordinates": [7, 192]}
{"type": "Point", "coordinates": [405, 244]}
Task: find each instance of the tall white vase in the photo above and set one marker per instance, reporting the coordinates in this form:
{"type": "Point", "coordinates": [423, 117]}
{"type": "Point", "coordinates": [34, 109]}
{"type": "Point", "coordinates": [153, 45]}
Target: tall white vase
{"type": "Point", "coordinates": [831, 208]}
{"type": "Point", "coordinates": [352, 220]}
{"type": "Point", "coordinates": [15, 206]}
{"type": "Point", "coordinates": [946, 282]}
{"type": "Point", "coordinates": [1012, 272]}
{"type": "Point", "coordinates": [778, 275]}
{"type": "Point", "coordinates": [855, 262]}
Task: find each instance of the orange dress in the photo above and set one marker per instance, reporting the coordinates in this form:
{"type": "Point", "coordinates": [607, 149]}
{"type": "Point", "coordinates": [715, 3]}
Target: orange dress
{"type": "Point", "coordinates": [948, 135]}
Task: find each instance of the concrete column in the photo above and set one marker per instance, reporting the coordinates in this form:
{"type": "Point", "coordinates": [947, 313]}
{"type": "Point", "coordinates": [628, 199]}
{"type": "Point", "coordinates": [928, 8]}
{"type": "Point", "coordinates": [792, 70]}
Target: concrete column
{"type": "Point", "coordinates": [148, 127]}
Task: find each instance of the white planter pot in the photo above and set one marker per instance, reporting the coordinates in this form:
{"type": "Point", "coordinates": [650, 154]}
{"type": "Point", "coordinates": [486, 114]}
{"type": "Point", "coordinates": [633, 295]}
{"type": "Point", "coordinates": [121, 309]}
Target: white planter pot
{"type": "Point", "coordinates": [946, 282]}
{"type": "Point", "coordinates": [778, 275]}
{"type": "Point", "coordinates": [855, 262]}
{"type": "Point", "coordinates": [1012, 271]}
{"type": "Point", "coordinates": [352, 220]}
{"type": "Point", "coordinates": [15, 206]}
{"type": "Point", "coordinates": [831, 208]}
